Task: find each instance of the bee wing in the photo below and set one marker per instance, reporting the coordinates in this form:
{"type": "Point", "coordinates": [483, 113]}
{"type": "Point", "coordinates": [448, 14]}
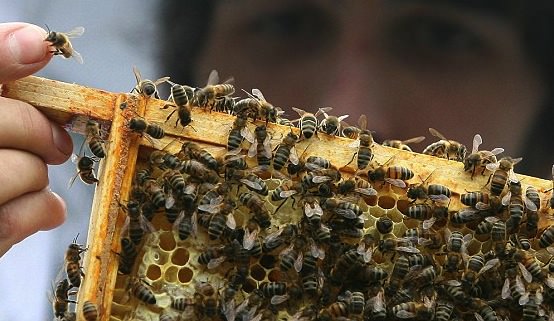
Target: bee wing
{"type": "Point", "coordinates": [293, 156]}
{"type": "Point", "coordinates": [230, 221]}
{"type": "Point", "coordinates": [478, 317]}
{"type": "Point", "coordinates": [210, 208]}
{"type": "Point", "coordinates": [519, 287]}
{"type": "Point", "coordinates": [529, 204]}
{"type": "Point", "coordinates": [287, 194]}
{"type": "Point", "coordinates": [362, 122]}
{"type": "Point", "coordinates": [138, 76]}
{"type": "Point", "coordinates": [253, 149]}
{"type": "Point", "coordinates": [497, 151]}
{"type": "Point", "coordinates": [347, 213]}
{"type": "Point", "coordinates": [146, 225]}
{"type": "Point", "coordinates": [428, 223]}
{"type": "Point", "coordinates": [370, 191]}
{"type": "Point", "coordinates": [194, 223]}
{"type": "Point", "coordinates": [216, 262]}
{"type": "Point", "coordinates": [441, 198]}
{"type": "Point", "coordinates": [506, 198]}
{"type": "Point", "coordinates": [524, 299]}
{"type": "Point", "coordinates": [299, 111]}
{"type": "Point", "coordinates": [436, 133]}
{"type": "Point", "coordinates": [492, 166]}
{"type": "Point", "coordinates": [489, 265]}
{"type": "Point", "coordinates": [298, 262]}
{"type": "Point", "coordinates": [506, 289]}
{"type": "Point", "coordinates": [75, 32]}
{"type": "Point", "coordinates": [413, 140]}
{"type": "Point", "coordinates": [403, 314]}
{"type": "Point", "coordinates": [72, 180]}
{"type": "Point", "coordinates": [355, 144]}
{"type": "Point", "coordinates": [477, 141]}
{"type": "Point", "coordinates": [278, 299]}
{"type": "Point", "coordinates": [213, 78]}
{"type": "Point", "coordinates": [549, 281]}
{"type": "Point", "coordinates": [311, 211]}
{"type": "Point", "coordinates": [249, 183]}
{"type": "Point", "coordinates": [267, 147]}
{"type": "Point", "coordinates": [396, 182]}
{"type": "Point", "coordinates": [161, 80]}
{"type": "Point", "coordinates": [482, 207]}
{"type": "Point", "coordinates": [320, 179]}
{"type": "Point", "coordinates": [76, 56]}
{"type": "Point", "coordinates": [342, 117]}
{"type": "Point", "coordinates": [258, 94]}
{"type": "Point", "coordinates": [248, 135]}
{"type": "Point", "coordinates": [408, 249]}
{"type": "Point", "coordinates": [526, 274]}
{"type": "Point", "coordinates": [249, 239]}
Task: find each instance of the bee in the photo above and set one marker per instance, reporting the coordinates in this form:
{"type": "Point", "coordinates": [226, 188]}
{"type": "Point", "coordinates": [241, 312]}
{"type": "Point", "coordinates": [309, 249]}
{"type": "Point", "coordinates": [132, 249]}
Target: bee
{"type": "Point", "coordinates": [529, 266]}
{"type": "Point", "coordinates": [186, 225]}
{"type": "Point", "coordinates": [485, 312]}
{"type": "Point", "coordinates": [199, 171]}
{"type": "Point", "coordinates": [94, 139]}
{"type": "Point", "coordinates": [181, 96]}
{"type": "Point", "coordinates": [445, 148]}
{"type": "Point", "coordinates": [516, 203]}
{"type": "Point", "coordinates": [286, 151]}
{"type": "Point", "coordinates": [343, 208]}
{"type": "Point", "coordinates": [90, 311]}
{"type": "Point", "coordinates": [238, 133]}
{"type": "Point", "coordinates": [357, 186]}
{"type": "Point", "coordinates": [378, 310]}
{"type": "Point", "coordinates": [318, 177]}
{"type": "Point", "coordinates": [502, 171]}
{"type": "Point", "coordinates": [384, 225]}
{"type": "Point", "coordinates": [547, 237]}
{"type": "Point", "coordinates": [141, 290]}
{"type": "Point", "coordinates": [252, 181]}
{"type": "Point", "coordinates": [520, 241]}
{"type": "Point", "coordinates": [330, 124]}
{"type": "Point", "coordinates": [136, 224]}
{"type": "Point", "coordinates": [73, 266]}
{"type": "Point", "coordinates": [434, 192]}
{"type": "Point", "coordinates": [222, 216]}
{"type": "Point", "coordinates": [307, 122]}
{"type": "Point", "coordinates": [265, 110]}
{"type": "Point", "coordinates": [355, 301]}
{"type": "Point", "coordinates": [478, 159]}
{"type": "Point", "coordinates": [394, 175]}
{"type": "Point", "coordinates": [127, 256]}
{"type": "Point", "coordinates": [147, 87]}
{"type": "Point", "coordinates": [334, 311]}
{"type": "Point", "coordinates": [60, 302]}
{"type": "Point", "coordinates": [403, 144]}
{"type": "Point", "coordinates": [85, 170]}
{"type": "Point", "coordinates": [141, 126]}
{"type": "Point", "coordinates": [363, 144]}
{"type": "Point", "coordinates": [62, 45]}
{"type": "Point", "coordinates": [207, 95]}
{"type": "Point", "coordinates": [257, 206]}
{"type": "Point", "coordinates": [407, 310]}
{"type": "Point", "coordinates": [532, 194]}
{"type": "Point", "coordinates": [261, 147]}
{"type": "Point", "coordinates": [191, 150]}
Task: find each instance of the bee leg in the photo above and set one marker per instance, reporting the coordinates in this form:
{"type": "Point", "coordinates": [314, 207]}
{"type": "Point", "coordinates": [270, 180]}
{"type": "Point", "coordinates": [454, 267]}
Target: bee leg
{"type": "Point", "coordinates": [278, 207]}
{"type": "Point", "coordinates": [356, 153]}
{"type": "Point", "coordinates": [170, 114]}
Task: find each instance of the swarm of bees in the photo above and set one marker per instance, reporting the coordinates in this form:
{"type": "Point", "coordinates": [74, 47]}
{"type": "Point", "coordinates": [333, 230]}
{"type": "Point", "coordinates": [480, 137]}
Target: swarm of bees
{"type": "Point", "coordinates": [262, 233]}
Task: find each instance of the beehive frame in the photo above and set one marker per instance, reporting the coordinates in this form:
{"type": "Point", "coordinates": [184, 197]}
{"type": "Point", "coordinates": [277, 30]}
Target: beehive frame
{"type": "Point", "coordinates": [70, 104]}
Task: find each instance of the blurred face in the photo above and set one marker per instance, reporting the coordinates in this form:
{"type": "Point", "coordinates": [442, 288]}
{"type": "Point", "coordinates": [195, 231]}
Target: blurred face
{"type": "Point", "coordinates": [407, 65]}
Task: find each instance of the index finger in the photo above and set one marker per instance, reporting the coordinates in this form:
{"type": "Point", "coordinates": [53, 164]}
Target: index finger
{"type": "Point", "coordinates": [23, 50]}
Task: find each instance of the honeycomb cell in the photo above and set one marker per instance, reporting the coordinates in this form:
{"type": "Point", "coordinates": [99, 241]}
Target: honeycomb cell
{"type": "Point", "coordinates": [402, 205]}
{"type": "Point", "coordinates": [185, 275]}
{"type": "Point", "coordinates": [156, 256]}
{"type": "Point", "coordinates": [386, 202]}
{"type": "Point", "coordinates": [180, 256]}
{"type": "Point", "coordinates": [167, 241]}
{"type": "Point", "coordinates": [154, 272]}
{"type": "Point", "coordinates": [249, 285]}
{"type": "Point", "coordinates": [170, 274]}
{"type": "Point", "coordinates": [268, 261]}
{"type": "Point", "coordinates": [257, 272]}
{"type": "Point", "coordinates": [274, 275]}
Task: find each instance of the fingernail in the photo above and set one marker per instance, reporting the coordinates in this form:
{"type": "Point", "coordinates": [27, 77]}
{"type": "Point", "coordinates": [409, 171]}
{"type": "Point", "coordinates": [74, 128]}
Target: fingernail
{"type": "Point", "coordinates": [62, 140]}
{"type": "Point", "coordinates": [27, 45]}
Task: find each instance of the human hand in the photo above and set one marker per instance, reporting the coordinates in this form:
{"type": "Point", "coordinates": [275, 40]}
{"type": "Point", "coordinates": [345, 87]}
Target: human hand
{"type": "Point", "coordinates": [28, 141]}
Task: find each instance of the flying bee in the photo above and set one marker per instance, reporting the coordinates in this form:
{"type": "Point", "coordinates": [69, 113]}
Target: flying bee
{"type": "Point", "coordinates": [182, 97]}
{"type": "Point", "coordinates": [307, 122]}
{"type": "Point", "coordinates": [445, 148]}
{"type": "Point", "coordinates": [261, 147]}
{"type": "Point", "coordinates": [94, 139]}
{"type": "Point", "coordinates": [502, 171]}
{"type": "Point", "coordinates": [147, 87]}
{"type": "Point", "coordinates": [403, 144]}
{"type": "Point", "coordinates": [85, 170]}
{"type": "Point", "coordinates": [141, 126]}
{"type": "Point", "coordinates": [394, 175]}
{"type": "Point", "coordinates": [238, 133]}
{"type": "Point", "coordinates": [330, 124]}
{"type": "Point", "coordinates": [478, 159]}
{"type": "Point", "coordinates": [62, 45]}
{"type": "Point", "coordinates": [90, 311]}
{"type": "Point", "coordinates": [207, 95]}
{"type": "Point", "coordinates": [285, 152]}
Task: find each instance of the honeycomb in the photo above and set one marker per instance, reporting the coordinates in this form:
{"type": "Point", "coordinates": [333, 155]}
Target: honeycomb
{"type": "Point", "coordinates": [368, 250]}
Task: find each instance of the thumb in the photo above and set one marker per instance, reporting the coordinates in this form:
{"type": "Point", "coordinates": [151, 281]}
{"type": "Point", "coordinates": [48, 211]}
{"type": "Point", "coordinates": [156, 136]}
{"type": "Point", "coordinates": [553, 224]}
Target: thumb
{"type": "Point", "coordinates": [23, 50]}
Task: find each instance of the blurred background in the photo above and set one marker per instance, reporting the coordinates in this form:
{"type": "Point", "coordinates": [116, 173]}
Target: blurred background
{"type": "Point", "coordinates": [118, 35]}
